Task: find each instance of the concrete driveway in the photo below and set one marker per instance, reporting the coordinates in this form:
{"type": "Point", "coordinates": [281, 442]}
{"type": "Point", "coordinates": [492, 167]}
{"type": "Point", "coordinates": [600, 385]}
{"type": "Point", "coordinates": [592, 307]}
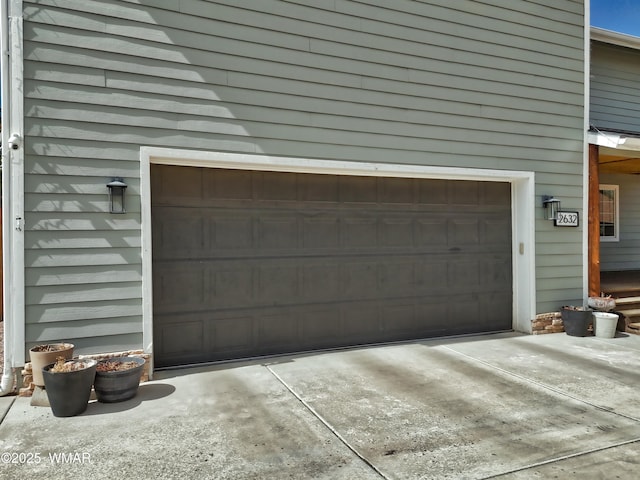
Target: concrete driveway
{"type": "Point", "coordinates": [502, 406]}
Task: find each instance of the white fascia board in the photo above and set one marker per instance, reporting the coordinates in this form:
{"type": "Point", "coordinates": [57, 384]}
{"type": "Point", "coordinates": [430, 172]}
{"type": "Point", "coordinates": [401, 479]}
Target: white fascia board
{"type": "Point", "coordinates": [615, 38]}
{"type": "Point", "coordinates": [603, 138]}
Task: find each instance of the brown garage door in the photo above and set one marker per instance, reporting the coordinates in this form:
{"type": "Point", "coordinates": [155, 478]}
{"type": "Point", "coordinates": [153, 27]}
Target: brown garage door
{"type": "Point", "coordinates": [250, 263]}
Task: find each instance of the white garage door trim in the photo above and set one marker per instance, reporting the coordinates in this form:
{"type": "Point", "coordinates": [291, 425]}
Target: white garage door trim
{"type": "Point", "coordinates": [523, 248]}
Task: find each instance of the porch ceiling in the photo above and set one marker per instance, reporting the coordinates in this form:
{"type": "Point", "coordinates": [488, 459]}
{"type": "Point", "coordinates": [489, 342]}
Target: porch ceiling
{"type": "Point", "coordinates": [619, 161]}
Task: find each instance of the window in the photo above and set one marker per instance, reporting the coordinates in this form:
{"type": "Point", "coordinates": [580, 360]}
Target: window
{"type": "Point", "coordinates": [609, 213]}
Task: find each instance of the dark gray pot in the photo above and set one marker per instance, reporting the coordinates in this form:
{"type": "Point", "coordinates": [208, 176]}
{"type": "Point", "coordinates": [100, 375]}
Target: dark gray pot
{"type": "Point", "coordinates": [576, 322]}
{"type": "Point", "coordinates": [118, 386]}
{"type": "Point", "coordinates": [68, 392]}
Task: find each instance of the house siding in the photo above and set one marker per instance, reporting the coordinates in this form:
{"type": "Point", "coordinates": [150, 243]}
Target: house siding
{"type": "Point", "coordinates": [625, 253]}
{"type": "Point", "coordinates": [494, 84]}
{"type": "Point", "coordinates": [615, 105]}
{"type": "Point", "coordinates": [615, 97]}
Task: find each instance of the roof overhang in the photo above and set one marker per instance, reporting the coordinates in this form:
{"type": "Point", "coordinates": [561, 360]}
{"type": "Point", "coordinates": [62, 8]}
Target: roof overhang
{"type": "Point", "coordinates": [615, 38]}
{"type": "Point", "coordinates": [616, 140]}
{"type": "Point", "coordinates": [619, 151]}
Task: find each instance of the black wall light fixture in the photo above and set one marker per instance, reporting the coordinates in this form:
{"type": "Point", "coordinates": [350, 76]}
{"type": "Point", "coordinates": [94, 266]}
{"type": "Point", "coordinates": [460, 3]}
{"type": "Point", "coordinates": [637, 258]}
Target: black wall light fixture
{"type": "Point", "coordinates": [117, 189]}
{"type": "Point", "coordinates": [551, 207]}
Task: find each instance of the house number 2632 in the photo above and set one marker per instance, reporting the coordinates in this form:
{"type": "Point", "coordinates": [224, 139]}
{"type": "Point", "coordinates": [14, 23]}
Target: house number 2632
{"type": "Point", "coordinates": [567, 219]}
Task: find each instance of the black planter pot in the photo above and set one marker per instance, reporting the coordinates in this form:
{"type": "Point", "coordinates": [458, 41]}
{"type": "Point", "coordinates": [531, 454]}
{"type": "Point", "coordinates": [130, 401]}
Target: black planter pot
{"type": "Point", "coordinates": [69, 392]}
{"type": "Point", "coordinates": [576, 322]}
{"type": "Point", "coordinates": [118, 385]}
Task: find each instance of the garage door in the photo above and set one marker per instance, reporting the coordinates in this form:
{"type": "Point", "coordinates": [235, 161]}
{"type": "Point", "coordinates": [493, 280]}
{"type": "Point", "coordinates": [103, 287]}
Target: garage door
{"type": "Point", "coordinates": [249, 263]}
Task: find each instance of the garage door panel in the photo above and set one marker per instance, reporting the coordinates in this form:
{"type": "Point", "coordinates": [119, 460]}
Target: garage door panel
{"type": "Point", "coordinates": [272, 263]}
{"type": "Point", "coordinates": [463, 231]}
{"type": "Point", "coordinates": [433, 192]}
{"type": "Point", "coordinates": [432, 313]}
{"type": "Point", "coordinates": [278, 284]}
{"type": "Point", "coordinates": [397, 278]}
{"type": "Point", "coordinates": [231, 232]}
{"type": "Point", "coordinates": [399, 319]}
{"type": "Point", "coordinates": [360, 280]}
{"type": "Point", "coordinates": [231, 335]}
{"type": "Point", "coordinates": [277, 186]}
{"type": "Point", "coordinates": [321, 327]}
{"type": "Point", "coordinates": [463, 273]}
{"type": "Point", "coordinates": [319, 188]}
{"type": "Point", "coordinates": [464, 313]}
{"type": "Point", "coordinates": [277, 331]}
{"type": "Point", "coordinates": [432, 276]}
{"type": "Point", "coordinates": [231, 286]}
{"type": "Point", "coordinates": [432, 232]}
{"type": "Point", "coordinates": [183, 187]}
{"type": "Point", "coordinates": [358, 189]}
{"type": "Point", "coordinates": [321, 282]}
{"type": "Point", "coordinates": [183, 335]}
{"type": "Point", "coordinates": [227, 185]}
{"type": "Point", "coordinates": [361, 322]}
{"type": "Point", "coordinates": [495, 273]}
{"type": "Point", "coordinates": [464, 193]}
{"type": "Point", "coordinates": [396, 191]}
{"type": "Point", "coordinates": [321, 232]}
{"type": "Point", "coordinates": [180, 286]}
{"type": "Point", "coordinates": [396, 232]}
{"type": "Point", "coordinates": [178, 233]}
{"type": "Point", "coordinates": [497, 307]}
{"type": "Point", "coordinates": [277, 232]}
{"type": "Point", "coordinates": [359, 232]}
{"type": "Point", "coordinates": [496, 231]}
{"type": "Point", "coordinates": [496, 194]}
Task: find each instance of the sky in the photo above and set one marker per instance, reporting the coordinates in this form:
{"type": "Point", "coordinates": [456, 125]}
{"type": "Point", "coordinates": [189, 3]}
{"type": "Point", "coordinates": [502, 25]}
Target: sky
{"type": "Point", "coordinates": [621, 16]}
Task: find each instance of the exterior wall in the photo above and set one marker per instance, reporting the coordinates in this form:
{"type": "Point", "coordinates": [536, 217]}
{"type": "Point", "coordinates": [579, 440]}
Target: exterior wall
{"type": "Point", "coordinates": [615, 96]}
{"type": "Point", "coordinates": [615, 105]}
{"type": "Point", "coordinates": [496, 84]}
{"type": "Point", "coordinates": [624, 254]}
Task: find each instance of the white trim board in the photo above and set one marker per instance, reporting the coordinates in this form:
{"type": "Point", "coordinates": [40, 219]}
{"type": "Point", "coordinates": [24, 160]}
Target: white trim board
{"type": "Point", "coordinates": [522, 193]}
{"type": "Point", "coordinates": [13, 185]}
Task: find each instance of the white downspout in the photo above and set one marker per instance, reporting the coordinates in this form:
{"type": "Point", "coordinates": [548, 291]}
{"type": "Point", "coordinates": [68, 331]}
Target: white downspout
{"type": "Point", "coordinates": [12, 191]}
{"type": "Point", "coordinates": [7, 381]}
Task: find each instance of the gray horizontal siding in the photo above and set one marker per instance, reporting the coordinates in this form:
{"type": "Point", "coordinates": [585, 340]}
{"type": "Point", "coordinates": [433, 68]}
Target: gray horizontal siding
{"type": "Point", "coordinates": [625, 254]}
{"type": "Point", "coordinates": [615, 97]}
{"type": "Point", "coordinates": [83, 275]}
{"type": "Point", "coordinates": [121, 342]}
{"type": "Point", "coordinates": [492, 84]}
{"type": "Point", "coordinates": [100, 311]}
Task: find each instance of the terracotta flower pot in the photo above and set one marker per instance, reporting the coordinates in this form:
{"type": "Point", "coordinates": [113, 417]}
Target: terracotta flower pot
{"type": "Point", "coordinates": [43, 355]}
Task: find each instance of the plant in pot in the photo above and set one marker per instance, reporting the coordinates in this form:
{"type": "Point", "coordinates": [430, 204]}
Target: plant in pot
{"type": "Point", "coordinates": [43, 355]}
{"type": "Point", "coordinates": [117, 379]}
{"type": "Point", "coordinates": [576, 320]}
{"type": "Point", "coordinates": [68, 385]}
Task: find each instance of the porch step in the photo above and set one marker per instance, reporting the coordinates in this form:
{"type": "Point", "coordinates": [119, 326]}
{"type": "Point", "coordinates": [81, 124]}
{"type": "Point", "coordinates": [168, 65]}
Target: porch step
{"type": "Point", "coordinates": [622, 293]}
{"type": "Point", "coordinates": [627, 301]}
{"type": "Point", "coordinates": [630, 308]}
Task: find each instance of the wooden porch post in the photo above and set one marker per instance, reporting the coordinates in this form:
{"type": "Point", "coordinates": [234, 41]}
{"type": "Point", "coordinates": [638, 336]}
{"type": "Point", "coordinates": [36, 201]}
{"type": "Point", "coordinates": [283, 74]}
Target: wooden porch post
{"type": "Point", "coordinates": [594, 221]}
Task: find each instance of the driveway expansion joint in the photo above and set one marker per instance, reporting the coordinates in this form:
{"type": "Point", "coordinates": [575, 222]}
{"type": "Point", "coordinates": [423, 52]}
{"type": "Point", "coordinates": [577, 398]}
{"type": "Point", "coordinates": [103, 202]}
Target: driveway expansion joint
{"type": "Point", "coordinates": [562, 458]}
{"type": "Point", "coordinates": [544, 386]}
{"type": "Point", "coordinates": [326, 423]}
